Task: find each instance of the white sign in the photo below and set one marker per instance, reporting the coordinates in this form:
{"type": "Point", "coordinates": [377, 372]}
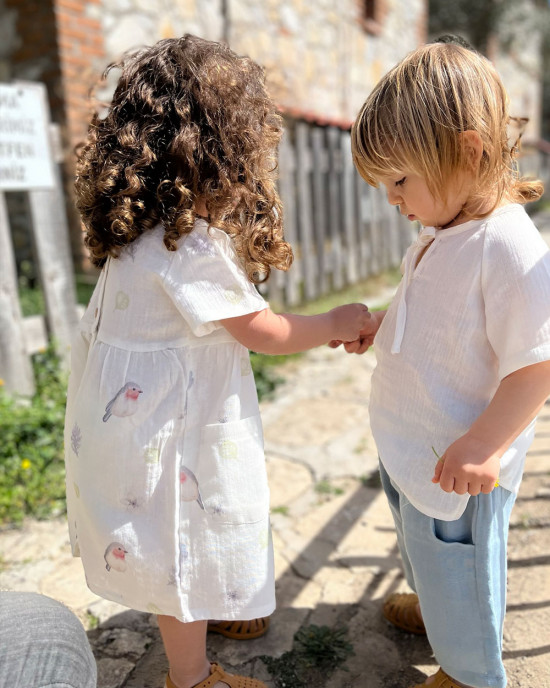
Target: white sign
{"type": "Point", "coordinates": [25, 152]}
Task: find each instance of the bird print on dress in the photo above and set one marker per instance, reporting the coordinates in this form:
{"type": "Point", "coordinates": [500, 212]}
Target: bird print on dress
{"type": "Point", "coordinates": [115, 557]}
{"type": "Point", "coordinates": [189, 487]}
{"type": "Point", "coordinates": [124, 403]}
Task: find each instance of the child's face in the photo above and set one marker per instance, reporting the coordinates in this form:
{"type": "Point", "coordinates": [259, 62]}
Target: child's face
{"type": "Point", "coordinates": [410, 192]}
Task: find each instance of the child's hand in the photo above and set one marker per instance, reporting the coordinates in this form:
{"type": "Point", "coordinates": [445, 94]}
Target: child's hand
{"type": "Point", "coordinates": [468, 466]}
{"type": "Point", "coordinates": [349, 321]}
{"type": "Point", "coordinates": [366, 336]}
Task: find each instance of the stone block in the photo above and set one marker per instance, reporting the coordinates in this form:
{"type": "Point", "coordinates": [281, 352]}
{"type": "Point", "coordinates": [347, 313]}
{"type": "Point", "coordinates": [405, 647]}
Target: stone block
{"type": "Point", "coordinates": [121, 642]}
{"type": "Point", "coordinates": [112, 673]}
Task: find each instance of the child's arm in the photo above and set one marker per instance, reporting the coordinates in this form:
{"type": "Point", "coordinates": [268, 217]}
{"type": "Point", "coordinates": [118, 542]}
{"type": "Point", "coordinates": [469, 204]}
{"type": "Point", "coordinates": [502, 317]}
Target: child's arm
{"type": "Point", "coordinates": [472, 463]}
{"type": "Point", "coordinates": [284, 333]}
{"type": "Point", "coordinates": [366, 336]}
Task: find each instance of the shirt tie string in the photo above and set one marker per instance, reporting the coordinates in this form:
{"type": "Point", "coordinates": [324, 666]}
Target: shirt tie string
{"type": "Point", "coordinates": [425, 238]}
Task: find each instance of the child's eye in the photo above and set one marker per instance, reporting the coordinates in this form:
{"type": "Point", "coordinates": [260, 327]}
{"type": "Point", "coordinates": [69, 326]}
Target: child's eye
{"type": "Point", "coordinates": [401, 182]}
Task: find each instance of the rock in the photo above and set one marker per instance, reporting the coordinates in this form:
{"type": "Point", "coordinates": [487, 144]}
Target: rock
{"type": "Point", "coordinates": [121, 642]}
{"type": "Point", "coordinates": [112, 673]}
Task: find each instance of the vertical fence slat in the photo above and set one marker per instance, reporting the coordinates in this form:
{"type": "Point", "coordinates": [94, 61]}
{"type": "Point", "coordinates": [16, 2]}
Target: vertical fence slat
{"type": "Point", "coordinates": [349, 215]}
{"type": "Point", "coordinates": [287, 190]}
{"type": "Point", "coordinates": [303, 169]}
{"type": "Point", "coordinates": [15, 365]}
{"type": "Point", "coordinates": [335, 168]}
{"type": "Point", "coordinates": [320, 204]}
{"type": "Point", "coordinates": [55, 265]}
{"type": "Point", "coordinates": [375, 231]}
{"type": "Point", "coordinates": [362, 199]}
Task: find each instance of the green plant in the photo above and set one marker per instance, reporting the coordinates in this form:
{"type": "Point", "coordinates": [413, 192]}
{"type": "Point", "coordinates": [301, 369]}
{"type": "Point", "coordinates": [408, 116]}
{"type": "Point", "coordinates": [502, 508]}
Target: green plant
{"type": "Point", "coordinates": [265, 372]}
{"type": "Point", "coordinates": [371, 480]}
{"type": "Point", "coordinates": [280, 510]}
{"type": "Point", "coordinates": [32, 477]}
{"type": "Point", "coordinates": [325, 488]}
{"type": "Point", "coordinates": [92, 621]}
{"type": "Point", "coordinates": [316, 653]}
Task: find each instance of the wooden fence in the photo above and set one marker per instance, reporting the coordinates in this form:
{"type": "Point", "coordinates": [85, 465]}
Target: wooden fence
{"type": "Point", "coordinates": [342, 231]}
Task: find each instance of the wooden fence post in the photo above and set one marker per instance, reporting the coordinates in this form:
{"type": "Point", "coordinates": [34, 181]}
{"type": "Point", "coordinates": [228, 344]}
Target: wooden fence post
{"type": "Point", "coordinates": [303, 168]}
{"type": "Point", "coordinates": [349, 209]}
{"type": "Point", "coordinates": [335, 208]}
{"type": "Point", "coordinates": [363, 224]}
{"type": "Point", "coordinates": [55, 267]}
{"type": "Point", "coordinates": [15, 365]}
{"type": "Point", "coordinates": [287, 190]}
{"type": "Point", "coordinates": [320, 206]}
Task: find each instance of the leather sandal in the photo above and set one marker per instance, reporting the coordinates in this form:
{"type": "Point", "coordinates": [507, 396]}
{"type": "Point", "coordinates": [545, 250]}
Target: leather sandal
{"type": "Point", "coordinates": [400, 610]}
{"type": "Point", "coordinates": [218, 674]}
{"type": "Point", "coordinates": [441, 680]}
{"type": "Point", "coordinates": [240, 630]}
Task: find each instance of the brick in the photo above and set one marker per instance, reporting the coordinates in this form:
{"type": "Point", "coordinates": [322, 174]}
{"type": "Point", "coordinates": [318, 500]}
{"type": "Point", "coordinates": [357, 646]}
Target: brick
{"type": "Point", "coordinates": [74, 5]}
{"type": "Point", "coordinates": [75, 60]}
{"type": "Point", "coordinates": [89, 22]}
{"type": "Point", "coordinates": [66, 21]}
{"type": "Point", "coordinates": [91, 50]}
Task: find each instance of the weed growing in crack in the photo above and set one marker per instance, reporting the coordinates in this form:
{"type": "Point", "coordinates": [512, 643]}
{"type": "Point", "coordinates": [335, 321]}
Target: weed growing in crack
{"type": "Point", "coordinates": [316, 653]}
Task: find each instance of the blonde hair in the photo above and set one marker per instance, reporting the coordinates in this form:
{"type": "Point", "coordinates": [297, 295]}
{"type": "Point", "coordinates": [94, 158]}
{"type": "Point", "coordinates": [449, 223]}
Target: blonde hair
{"type": "Point", "coordinates": [413, 119]}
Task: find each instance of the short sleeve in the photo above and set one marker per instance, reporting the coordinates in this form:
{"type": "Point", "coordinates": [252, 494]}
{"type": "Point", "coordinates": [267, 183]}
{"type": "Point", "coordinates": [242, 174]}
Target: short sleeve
{"type": "Point", "coordinates": [207, 282]}
{"type": "Point", "coordinates": [516, 290]}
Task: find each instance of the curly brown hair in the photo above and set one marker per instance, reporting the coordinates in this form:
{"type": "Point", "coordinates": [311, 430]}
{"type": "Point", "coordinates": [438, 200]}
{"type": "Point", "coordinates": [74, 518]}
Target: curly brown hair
{"type": "Point", "coordinates": [189, 121]}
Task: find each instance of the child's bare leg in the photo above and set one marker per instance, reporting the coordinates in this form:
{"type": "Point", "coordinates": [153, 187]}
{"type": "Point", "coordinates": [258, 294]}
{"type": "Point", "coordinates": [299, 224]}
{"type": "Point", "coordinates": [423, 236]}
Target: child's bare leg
{"type": "Point", "coordinates": [185, 646]}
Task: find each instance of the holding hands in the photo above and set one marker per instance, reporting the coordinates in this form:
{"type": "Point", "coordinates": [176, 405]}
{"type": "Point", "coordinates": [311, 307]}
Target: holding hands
{"type": "Point", "coordinates": [350, 321]}
{"type": "Point", "coordinates": [365, 338]}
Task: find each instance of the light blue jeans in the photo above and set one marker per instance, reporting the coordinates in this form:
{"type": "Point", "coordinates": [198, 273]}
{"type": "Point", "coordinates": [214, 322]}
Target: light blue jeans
{"type": "Point", "coordinates": [458, 570]}
{"type": "Point", "coordinates": [42, 644]}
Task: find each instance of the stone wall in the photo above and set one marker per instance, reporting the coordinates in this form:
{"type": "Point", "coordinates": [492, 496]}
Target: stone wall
{"type": "Point", "coordinates": [320, 58]}
{"type": "Point", "coordinates": [516, 53]}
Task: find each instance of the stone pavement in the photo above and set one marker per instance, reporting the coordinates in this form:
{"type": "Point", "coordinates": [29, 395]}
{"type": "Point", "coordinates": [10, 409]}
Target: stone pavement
{"type": "Point", "coordinates": [335, 549]}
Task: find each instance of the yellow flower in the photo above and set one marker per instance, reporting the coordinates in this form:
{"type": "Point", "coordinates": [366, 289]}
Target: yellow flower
{"type": "Point", "coordinates": [25, 464]}
{"type": "Point", "coordinates": [1, 382]}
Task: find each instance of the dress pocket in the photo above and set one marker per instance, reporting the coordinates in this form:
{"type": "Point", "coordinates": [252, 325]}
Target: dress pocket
{"type": "Point", "coordinates": [231, 472]}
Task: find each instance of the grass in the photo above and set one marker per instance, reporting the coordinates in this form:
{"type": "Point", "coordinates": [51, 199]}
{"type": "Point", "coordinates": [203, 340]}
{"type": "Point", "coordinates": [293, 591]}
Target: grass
{"type": "Point", "coordinates": [362, 291]}
{"type": "Point", "coordinates": [371, 480]}
{"type": "Point", "coordinates": [92, 621]}
{"type": "Point", "coordinates": [317, 651]}
{"type": "Point", "coordinates": [32, 476]}
{"type": "Point", "coordinates": [284, 510]}
{"type": "Point", "coordinates": [324, 487]}
{"type": "Point", "coordinates": [32, 299]}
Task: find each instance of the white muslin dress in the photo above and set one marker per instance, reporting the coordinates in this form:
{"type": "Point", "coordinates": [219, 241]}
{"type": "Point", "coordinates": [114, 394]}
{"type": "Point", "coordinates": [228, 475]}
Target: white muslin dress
{"type": "Point", "coordinates": [167, 495]}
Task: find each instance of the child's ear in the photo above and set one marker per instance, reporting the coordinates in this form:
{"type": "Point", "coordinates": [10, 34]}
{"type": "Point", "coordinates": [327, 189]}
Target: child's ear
{"type": "Point", "coordinates": [472, 146]}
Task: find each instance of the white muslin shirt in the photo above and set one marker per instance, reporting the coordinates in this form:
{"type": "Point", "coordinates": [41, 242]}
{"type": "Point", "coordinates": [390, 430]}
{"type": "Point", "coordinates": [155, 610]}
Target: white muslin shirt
{"type": "Point", "coordinates": [475, 309]}
{"type": "Point", "coordinates": [168, 502]}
